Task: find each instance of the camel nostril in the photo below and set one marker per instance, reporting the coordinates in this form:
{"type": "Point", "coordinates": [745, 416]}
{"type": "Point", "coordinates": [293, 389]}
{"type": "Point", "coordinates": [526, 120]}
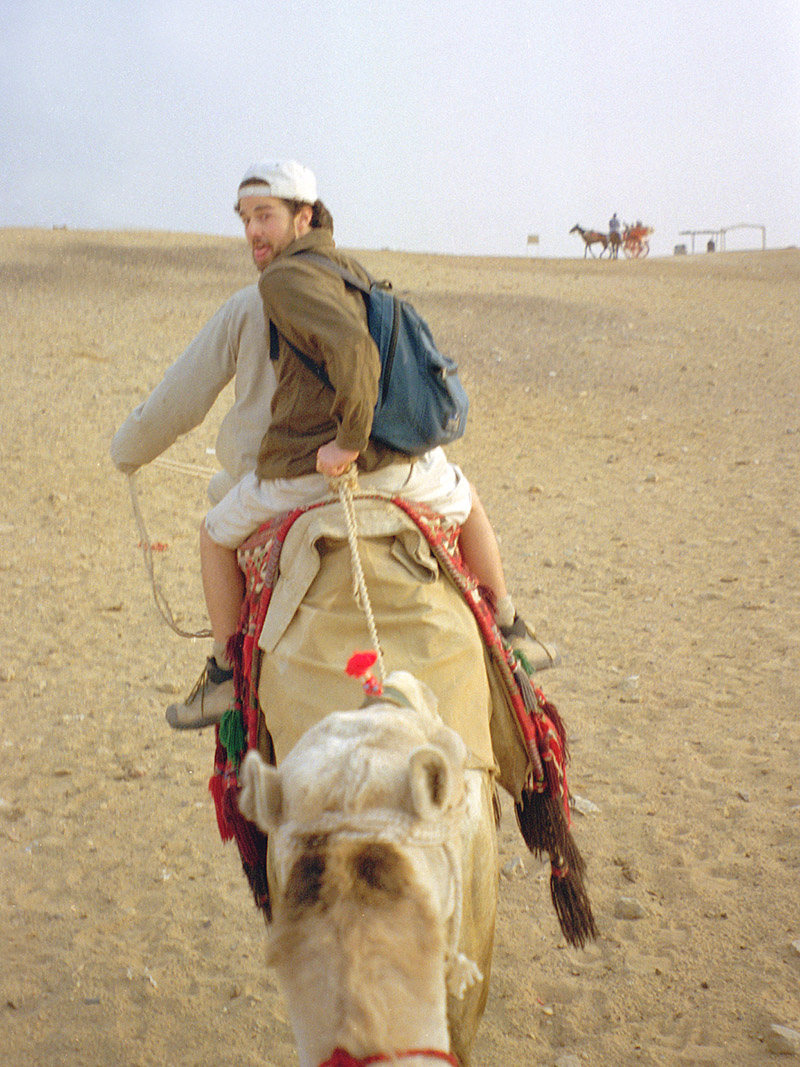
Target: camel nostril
{"type": "Point", "coordinates": [304, 887]}
{"type": "Point", "coordinates": [380, 868]}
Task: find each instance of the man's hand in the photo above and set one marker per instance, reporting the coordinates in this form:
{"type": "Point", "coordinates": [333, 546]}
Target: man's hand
{"type": "Point", "coordinates": [333, 461]}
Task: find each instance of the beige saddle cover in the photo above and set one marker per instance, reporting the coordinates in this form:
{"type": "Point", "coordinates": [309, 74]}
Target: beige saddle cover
{"type": "Point", "coordinates": [314, 624]}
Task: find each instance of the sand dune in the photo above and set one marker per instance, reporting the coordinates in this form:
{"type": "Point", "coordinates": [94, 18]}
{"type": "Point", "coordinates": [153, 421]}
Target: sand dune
{"type": "Point", "coordinates": [634, 434]}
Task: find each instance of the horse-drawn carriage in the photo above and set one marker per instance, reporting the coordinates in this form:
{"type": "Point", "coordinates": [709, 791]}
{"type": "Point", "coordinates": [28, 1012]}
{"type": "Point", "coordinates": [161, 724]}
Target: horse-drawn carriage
{"type": "Point", "coordinates": [633, 240]}
{"type": "Point", "coordinates": [635, 244]}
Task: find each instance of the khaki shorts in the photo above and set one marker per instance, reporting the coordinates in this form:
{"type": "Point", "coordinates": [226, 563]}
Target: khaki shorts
{"type": "Point", "coordinates": [429, 480]}
{"type": "Point", "coordinates": [220, 484]}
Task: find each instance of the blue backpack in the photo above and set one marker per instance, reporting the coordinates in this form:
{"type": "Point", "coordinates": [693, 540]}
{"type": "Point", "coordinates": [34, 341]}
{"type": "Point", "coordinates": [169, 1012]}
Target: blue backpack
{"type": "Point", "coordinates": [421, 401]}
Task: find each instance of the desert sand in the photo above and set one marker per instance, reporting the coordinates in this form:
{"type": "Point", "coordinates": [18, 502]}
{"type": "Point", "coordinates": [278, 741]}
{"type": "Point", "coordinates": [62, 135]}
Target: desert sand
{"type": "Point", "coordinates": [634, 434]}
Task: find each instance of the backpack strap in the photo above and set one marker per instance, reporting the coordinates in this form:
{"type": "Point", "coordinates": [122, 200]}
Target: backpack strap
{"type": "Point", "coordinates": [273, 340]}
{"type": "Point", "coordinates": [350, 279]}
{"type": "Point", "coordinates": [335, 268]}
{"type": "Point", "coordinates": [316, 370]}
{"type": "Point", "coordinates": [347, 275]}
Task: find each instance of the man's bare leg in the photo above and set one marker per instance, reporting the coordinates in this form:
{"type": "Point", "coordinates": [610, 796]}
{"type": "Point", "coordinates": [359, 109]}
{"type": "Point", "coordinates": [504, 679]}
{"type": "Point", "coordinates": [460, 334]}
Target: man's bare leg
{"type": "Point", "coordinates": [481, 554]}
{"type": "Point", "coordinates": [223, 586]}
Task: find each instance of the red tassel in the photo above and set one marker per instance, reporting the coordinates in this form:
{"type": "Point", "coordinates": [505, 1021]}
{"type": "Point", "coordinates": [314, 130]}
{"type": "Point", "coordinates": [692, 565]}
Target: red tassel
{"type": "Point", "coordinates": [247, 834]}
{"type": "Point", "coordinates": [554, 715]}
{"type": "Point", "coordinates": [358, 666]}
{"type": "Point", "coordinates": [360, 662]}
{"type": "Point", "coordinates": [217, 787]}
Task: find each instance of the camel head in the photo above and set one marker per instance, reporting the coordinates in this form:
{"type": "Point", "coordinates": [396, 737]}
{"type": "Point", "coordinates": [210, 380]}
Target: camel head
{"type": "Point", "coordinates": [364, 817]}
{"type": "Point", "coordinates": [393, 757]}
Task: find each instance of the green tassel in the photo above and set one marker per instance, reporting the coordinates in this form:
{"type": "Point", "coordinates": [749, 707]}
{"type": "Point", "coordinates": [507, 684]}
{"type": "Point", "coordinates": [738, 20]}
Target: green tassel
{"type": "Point", "coordinates": [523, 661]}
{"type": "Point", "coordinates": [231, 735]}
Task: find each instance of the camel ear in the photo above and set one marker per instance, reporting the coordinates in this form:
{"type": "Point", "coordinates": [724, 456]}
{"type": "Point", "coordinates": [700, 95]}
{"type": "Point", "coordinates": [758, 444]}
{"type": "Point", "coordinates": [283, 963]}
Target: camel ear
{"type": "Point", "coordinates": [452, 745]}
{"type": "Point", "coordinates": [260, 800]}
{"type": "Point", "coordinates": [430, 778]}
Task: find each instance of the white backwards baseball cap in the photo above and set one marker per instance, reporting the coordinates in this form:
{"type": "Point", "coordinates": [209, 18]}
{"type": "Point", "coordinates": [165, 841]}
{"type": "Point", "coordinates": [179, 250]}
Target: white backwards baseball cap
{"type": "Point", "coordinates": [287, 180]}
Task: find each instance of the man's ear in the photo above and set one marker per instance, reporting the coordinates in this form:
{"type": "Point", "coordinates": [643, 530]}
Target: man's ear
{"type": "Point", "coordinates": [302, 220]}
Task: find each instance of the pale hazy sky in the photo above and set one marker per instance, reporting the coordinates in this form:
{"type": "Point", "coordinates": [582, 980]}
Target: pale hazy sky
{"type": "Point", "coordinates": [432, 125]}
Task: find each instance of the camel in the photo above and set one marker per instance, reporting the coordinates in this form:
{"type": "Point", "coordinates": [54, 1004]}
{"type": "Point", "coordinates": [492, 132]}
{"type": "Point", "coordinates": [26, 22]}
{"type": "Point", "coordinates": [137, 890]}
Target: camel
{"type": "Point", "coordinates": [383, 869]}
{"type": "Point", "coordinates": [381, 918]}
{"type": "Point", "coordinates": [591, 237]}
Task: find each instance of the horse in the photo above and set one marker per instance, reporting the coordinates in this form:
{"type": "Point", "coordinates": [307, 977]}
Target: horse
{"type": "Point", "coordinates": [383, 869]}
{"type": "Point", "coordinates": [614, 243]}
{"type": "Point", "coordinates": [591, 237]}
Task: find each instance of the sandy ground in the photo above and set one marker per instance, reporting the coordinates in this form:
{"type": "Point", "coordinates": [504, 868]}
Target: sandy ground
{"type": "Point", "coordinates": [634, 435]}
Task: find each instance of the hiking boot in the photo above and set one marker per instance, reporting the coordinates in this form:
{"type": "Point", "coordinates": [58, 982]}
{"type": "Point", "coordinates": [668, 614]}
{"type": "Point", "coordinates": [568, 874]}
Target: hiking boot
{"type": "Point", "coordinates": [208, 701]}
{"type": "Point", "coordinates": [536, 654]}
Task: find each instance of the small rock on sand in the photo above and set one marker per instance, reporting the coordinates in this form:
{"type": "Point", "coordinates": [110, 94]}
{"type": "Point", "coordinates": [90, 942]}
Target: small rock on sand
{"type": "Point", "coordinates": [628, 908]}
{"type": "Point", "coordinates": [783, 1040]}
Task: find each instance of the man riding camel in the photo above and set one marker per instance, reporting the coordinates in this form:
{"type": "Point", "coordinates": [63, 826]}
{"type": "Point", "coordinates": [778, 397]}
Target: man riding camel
{"type": "Point", "coordinates": [308, 435]}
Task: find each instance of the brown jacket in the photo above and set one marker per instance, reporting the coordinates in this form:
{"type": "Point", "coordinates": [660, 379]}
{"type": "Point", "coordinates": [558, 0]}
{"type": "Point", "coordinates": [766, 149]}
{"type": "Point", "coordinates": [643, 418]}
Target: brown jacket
{"type": "Point", "coordinates": [312, 308]}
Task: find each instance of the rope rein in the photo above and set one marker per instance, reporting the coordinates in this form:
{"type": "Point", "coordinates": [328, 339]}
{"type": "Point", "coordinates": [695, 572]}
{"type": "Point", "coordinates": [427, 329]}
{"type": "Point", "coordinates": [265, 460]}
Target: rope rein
{"type": "Point", "coordinates": [147, 551]}
{"type": "Point", "coordinates": [179, 467]}
{"type": "Point", "coordinates": [462, 972]}
{"type": "Point", "coordinates": [344, 486]}
{"type": "Point", "coordinates": [392, 827]}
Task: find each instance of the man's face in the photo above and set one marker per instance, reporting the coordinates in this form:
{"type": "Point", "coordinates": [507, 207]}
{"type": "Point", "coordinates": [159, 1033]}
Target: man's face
{"type": "Point", "coordinates": [268, 226]}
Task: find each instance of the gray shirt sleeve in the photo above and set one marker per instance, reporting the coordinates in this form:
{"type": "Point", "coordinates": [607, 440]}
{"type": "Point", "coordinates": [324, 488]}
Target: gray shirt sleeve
{"type": "Point", "coordinates": [183, 397]}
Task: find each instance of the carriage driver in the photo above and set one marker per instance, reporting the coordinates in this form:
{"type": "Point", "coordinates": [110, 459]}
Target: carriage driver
{"type": "Point", "coordinates": [309, 436]}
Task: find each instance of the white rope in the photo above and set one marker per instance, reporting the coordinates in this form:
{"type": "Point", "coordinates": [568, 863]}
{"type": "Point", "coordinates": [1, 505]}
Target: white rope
{"type": "Point", "coordinates": [378, 824]}
{"type": "Point", "coordinates": [395, 827]}
{"type": "Point", "coordinates": [345, 485]}
{"type": "Point", "coordinates": [184, 468]}
{"type": "Point", "coordinates": [147, 551]}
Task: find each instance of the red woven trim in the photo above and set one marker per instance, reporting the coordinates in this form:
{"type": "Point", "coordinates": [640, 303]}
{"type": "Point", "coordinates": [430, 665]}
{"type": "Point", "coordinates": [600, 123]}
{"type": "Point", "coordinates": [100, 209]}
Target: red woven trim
{"type": "Point", "coordinates": [341, 1057]}
{"type": "Point", "coordinates": [539, 727]}
{"type": "Point", "coordinates": [258, 556]}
